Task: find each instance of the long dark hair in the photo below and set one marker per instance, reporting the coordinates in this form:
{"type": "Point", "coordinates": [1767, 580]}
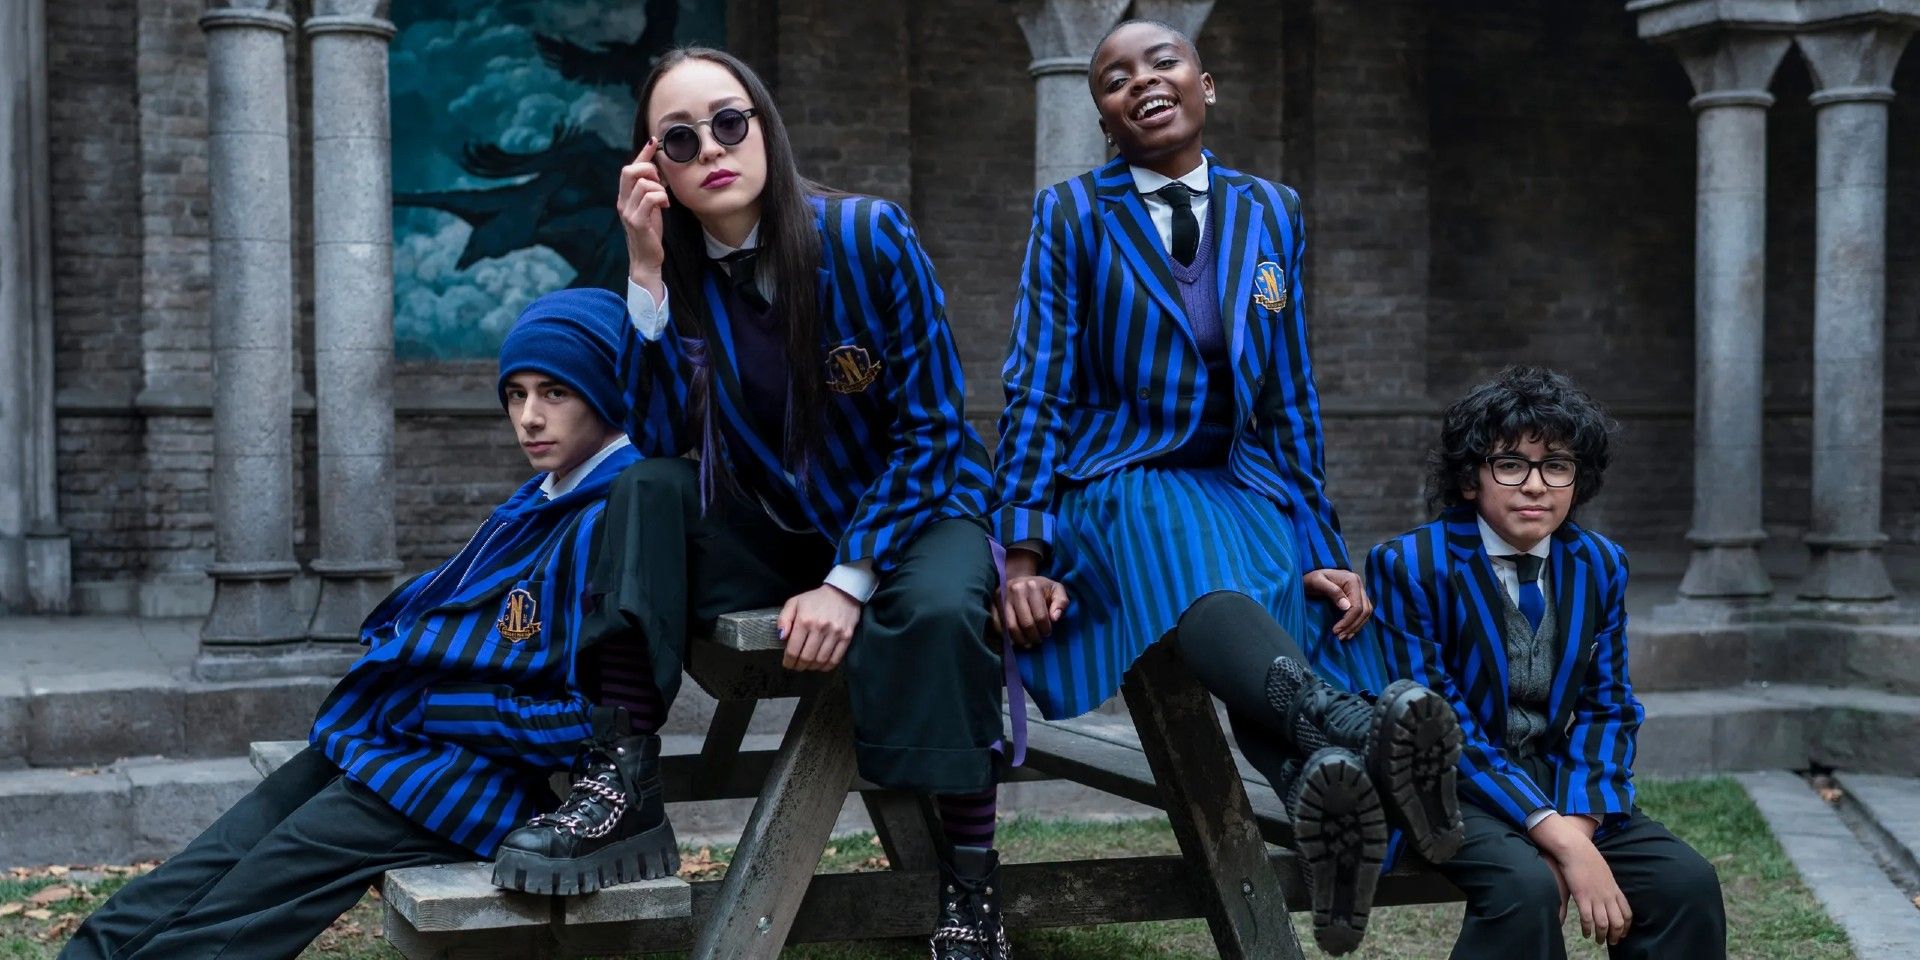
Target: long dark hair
{"type": "Point", "coordinates": [789, 246]}
{"type": "Point", "coordinates": [1518, 403]}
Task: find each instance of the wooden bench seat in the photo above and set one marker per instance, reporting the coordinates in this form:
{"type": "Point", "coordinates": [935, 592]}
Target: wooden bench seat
{"type": "Point", "coordinates": [770, 895]}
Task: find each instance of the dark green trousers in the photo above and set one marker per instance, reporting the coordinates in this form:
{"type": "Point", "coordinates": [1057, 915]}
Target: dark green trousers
{"type": "Point", "coordinates": [1513, 903]}
{"type": "Point", "coordinates": [924, 684]}
{"type": "Point", "coordinates": [268, 877]}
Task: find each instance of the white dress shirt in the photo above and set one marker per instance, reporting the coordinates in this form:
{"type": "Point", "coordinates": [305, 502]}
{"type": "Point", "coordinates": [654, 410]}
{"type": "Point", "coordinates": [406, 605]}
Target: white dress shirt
{"type": "Point", "coordinates": [856, 579]}
{"type": "Point", "coordinates": [560, 487]}
{"type": "Point", "coordinates": [1146, 181]}
{"type": "Point", "coordinates": [1504, 569]}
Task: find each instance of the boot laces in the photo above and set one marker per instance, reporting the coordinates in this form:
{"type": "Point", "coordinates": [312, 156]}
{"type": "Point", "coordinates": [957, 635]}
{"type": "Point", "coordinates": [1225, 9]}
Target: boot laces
{"type": "Point", "coordinates": [956, 931]}
{"type": "Point", "coordinates": [591, 789]}
{"type": "Point", "coordinates": [1342, 712]}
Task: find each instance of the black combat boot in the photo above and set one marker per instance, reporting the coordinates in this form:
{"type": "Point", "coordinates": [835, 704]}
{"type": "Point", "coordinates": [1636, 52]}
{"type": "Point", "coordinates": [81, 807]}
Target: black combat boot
{"type": "Point", "coordinates": [612, 828]}
{"type": "Point", "coordinates": [969, 927]}
{"type": "Point", "coordinates": [1409, 738]}
{"type": "Point", "coordinates": [1341, 834]}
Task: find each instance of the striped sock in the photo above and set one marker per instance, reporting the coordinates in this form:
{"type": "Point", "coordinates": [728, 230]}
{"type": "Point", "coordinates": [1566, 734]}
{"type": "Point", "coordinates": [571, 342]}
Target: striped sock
{"type": "Point", "coordinates": [968, 818]}
{"type": "Point", "coordinates": [626, 681]}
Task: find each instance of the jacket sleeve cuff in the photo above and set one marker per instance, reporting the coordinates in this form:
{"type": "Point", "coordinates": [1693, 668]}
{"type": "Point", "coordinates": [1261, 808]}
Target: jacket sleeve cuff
{"type": "Point", "coordinates": [649, 318]}
{"type": "Point", "coordinates": [856, 580]}
{"type": "Point", "coordinates": [1020, 524]}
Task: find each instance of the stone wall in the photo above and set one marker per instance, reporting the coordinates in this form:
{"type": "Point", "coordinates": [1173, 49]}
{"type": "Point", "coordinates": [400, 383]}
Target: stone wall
{"type": "Point", "coordinates": [1512, 180]}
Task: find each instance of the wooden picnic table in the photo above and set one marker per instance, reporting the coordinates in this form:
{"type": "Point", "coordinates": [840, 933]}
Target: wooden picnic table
{"type": "Point", "coordinates": [770, 895]}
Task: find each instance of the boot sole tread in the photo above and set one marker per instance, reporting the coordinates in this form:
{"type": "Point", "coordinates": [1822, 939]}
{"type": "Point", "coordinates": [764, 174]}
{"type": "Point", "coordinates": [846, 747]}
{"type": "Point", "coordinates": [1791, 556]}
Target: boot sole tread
{"type": "Point", "coordinates": [1341, 833]}
{"type": "Point", "coordinates": [1415, 766]}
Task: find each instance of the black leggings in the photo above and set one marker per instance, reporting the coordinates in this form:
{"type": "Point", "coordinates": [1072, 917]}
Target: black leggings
{"type": "Point", "coordinates": [1229, 641]}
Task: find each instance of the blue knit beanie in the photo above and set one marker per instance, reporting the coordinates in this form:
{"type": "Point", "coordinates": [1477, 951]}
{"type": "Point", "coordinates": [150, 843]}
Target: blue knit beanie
{"type": "Point", "coordinates": [572, 336]}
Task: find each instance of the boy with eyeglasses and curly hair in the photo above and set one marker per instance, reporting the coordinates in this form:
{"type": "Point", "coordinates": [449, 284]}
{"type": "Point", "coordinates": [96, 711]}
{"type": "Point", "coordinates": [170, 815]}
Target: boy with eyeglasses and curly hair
{"type": "Point", "coordinates": [1517, 615]}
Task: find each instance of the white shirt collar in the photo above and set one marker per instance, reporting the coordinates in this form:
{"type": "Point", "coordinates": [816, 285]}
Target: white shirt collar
{"type": "Point", "coordinates": [717, 250]}
{"type": "Point", "coordinates": [1146, 181]}
{"type": "Point", "coordinates": [555, 491]}
{"type": "Point", "coordinates": [1497, 547]}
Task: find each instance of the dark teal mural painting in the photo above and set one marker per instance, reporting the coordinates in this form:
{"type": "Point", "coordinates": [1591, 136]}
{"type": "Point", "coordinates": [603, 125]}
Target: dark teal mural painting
{"type": "Point", "coordinates": [511, 120]}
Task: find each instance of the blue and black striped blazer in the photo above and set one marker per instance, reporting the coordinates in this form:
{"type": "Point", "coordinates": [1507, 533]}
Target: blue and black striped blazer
{"type": "Point", "coordinates": [456, 716]}
{"type": "Point", "coordinates": [897, 451]}
{"type": "Point", "coordinates": [1439, 615]}
{"type": "Point", "coordinates": [1103, 370]}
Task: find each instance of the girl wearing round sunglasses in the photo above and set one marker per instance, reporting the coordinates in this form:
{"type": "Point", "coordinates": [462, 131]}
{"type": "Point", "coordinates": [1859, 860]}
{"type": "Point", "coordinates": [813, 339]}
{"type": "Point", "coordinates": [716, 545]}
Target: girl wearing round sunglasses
{"type": "Point", "coordinates": [795, 339]}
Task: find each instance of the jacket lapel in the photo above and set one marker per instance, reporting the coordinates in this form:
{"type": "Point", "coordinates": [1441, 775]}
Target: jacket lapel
{"type": "Point", "coordinates": [1481, 614]}
{"type": "Point", "coordinates": [1130, 230]}
{"type": "Point", "coordinates": [1576, 611]}
{"type": "Point", "coordinates": [1237, 239]}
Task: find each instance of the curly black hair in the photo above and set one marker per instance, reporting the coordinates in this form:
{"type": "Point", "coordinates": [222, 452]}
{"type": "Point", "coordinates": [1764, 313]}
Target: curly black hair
{"type": "Point", "coordinates": [1519, 404]}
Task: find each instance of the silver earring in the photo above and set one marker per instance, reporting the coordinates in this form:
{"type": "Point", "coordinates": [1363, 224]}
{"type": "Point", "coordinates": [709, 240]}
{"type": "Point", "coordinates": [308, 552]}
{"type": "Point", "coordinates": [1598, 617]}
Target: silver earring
{"type": "Point", "coordinates": [1209, 101]}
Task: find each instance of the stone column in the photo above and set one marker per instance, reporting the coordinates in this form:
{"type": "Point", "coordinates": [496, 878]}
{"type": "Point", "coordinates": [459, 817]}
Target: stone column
{"type": "Point", "coordinates": [1852, 67]}
{"type": "Point", "coordinates": [35, 573]}
{"type": "Point", "coordinates": [353, 312]}
{"type": "Point", "coordinates": [1731, 71]}
{"type": "Point", "coordinates": [252, 264]}
{"type": "Point", "coordinates": [1061, 34]}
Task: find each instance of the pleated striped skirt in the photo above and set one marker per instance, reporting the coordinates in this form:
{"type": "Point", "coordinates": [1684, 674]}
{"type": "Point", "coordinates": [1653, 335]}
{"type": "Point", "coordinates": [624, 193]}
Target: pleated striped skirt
{"type": "Point", "coordinates": [1138, 546]}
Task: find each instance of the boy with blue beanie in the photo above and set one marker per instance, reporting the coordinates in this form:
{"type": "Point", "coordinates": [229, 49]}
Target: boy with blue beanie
{"type": "Point", "coordinates": [440, 740]}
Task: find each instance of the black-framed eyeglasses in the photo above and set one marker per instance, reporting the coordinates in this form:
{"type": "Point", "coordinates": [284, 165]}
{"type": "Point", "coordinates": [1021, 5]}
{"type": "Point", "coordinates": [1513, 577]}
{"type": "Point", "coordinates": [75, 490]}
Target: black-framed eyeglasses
{"type": "Point", "coordinates": [1512, 471]}
{"type": "Point", "coordinates": [681, 142]}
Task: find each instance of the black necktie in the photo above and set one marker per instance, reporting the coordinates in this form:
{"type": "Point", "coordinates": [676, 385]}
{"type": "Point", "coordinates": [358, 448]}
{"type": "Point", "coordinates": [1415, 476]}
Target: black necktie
{"type": "Point", "coordinates": [741, 266]}
{"type": "Point", "coordinates": [1533, 602]}
{"type": "Point", "coordinates": [1186, 230]}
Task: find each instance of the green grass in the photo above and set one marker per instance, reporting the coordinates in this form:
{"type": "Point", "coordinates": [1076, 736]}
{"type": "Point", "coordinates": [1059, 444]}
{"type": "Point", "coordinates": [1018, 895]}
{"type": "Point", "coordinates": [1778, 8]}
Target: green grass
{"type": "Point", "coordinates": [1770, 914]}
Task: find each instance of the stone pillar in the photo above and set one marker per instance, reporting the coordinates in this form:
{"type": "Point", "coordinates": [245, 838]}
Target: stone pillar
{"type": "Point", "coordinates": [35, 572]}
{"type": "Point", "coordinates": [1731, 71]}
{"type": "Point", "coordinates": [353, 312]}
{"type": "Point", "coordinates": [1188, 15]}
{"type": "Point", "coordinates": [1061, 34]}
{"type": "Point", "coordinates": [1852, 67]}
{"type": "Point", "coordinates": [253, 372]}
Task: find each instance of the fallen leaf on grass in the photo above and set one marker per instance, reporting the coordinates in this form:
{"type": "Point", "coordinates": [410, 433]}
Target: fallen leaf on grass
{"type": "Point", "coordinates": [830, 851]}
{"type": "Point", "coordinates": [60, 930]}
{"type": "Point", "coordinates": [700, 864]}
{"type": "Point", "coordinates": [21, 872]}
{"type": "Point", "coordinates": [38, 914]}
{"type": "Point", "coordinates": [58, 871]}
{"type": "Point", "coordinates": [9, 909]}
{"type": "Point", "coordinates": [873, 841]}
{"type": "Point", "coordinates": [52, 895]}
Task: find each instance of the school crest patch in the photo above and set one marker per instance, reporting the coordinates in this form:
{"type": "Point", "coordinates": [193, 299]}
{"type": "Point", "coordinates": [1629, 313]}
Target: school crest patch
{"type": "Point", "coordinates": [521, 621]}
{"type": "Point", "coordinates": [850, 369]}
{"type": "Point", "coordinates": [1270, 286]}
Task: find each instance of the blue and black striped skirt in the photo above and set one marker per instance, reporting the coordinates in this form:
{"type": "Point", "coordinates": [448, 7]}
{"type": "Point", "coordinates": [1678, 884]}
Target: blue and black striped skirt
{"type": "Point", "coordinates": [1138, 546]}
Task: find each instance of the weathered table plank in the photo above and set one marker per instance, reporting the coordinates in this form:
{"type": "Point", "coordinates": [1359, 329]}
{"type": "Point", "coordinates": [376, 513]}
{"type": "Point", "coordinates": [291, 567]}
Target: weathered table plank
{"type": "Point", "coordinates": [786, 832]}
{"type": "Point", "coordinates": [1234, 882]}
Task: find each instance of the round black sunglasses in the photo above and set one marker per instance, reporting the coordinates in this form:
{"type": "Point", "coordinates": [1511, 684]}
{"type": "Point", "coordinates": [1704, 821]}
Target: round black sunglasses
{"type": "Point", "coordinates": [681, 142]}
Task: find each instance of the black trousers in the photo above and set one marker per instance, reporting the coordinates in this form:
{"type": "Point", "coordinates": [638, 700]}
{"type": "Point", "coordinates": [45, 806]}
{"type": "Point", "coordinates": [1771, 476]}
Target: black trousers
{"type": "Point", "coordinates": [924, 683]}
{"type": "Point", "coordinates": [268, 877]}
{"type": "Point", "coordinates": [1513, 902]}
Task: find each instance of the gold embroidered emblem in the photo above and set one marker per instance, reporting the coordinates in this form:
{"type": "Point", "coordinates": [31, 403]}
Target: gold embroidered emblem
{"type": "Point", "coordinates": [851, 369]}
{"type": "Point", "coordinates": [1270, 286]}
{"type": "Point", "coordinates": [521, 621]}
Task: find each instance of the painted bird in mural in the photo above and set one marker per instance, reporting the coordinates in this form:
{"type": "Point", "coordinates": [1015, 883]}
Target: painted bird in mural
{"type": "Point", "coordinates": [566, 205]}
{"type": "Point", "coordinates": [618, 63]}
